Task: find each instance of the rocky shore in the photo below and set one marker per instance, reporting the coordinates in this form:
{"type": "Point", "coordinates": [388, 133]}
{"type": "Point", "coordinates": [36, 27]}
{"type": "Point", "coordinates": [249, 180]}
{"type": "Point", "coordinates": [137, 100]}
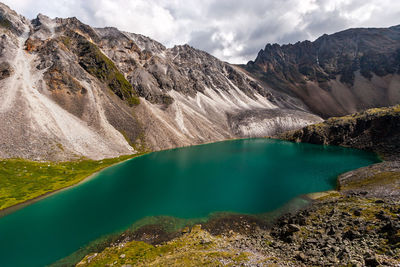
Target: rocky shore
{"type": "Point", "coordinates": [338, 229]}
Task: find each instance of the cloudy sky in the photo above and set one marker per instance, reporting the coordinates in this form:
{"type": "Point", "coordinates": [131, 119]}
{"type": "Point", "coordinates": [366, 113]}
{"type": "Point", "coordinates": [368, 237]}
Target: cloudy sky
{"type": "Point", "coordinates": [232, 30]}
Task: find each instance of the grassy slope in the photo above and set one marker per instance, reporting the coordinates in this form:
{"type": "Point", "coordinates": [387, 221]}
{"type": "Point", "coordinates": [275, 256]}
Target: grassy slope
{"type": "Point", "coordinates": [378, 112]}
{"type": "Point", "coordinates": [22, 180]}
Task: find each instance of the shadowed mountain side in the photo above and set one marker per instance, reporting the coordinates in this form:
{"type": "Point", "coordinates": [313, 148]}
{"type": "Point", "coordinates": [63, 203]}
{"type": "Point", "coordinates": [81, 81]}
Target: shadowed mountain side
{"type": "Point", "coordinates": [337, 74]}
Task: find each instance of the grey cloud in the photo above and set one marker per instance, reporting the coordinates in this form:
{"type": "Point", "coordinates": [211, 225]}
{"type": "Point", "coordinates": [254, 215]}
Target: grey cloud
{"type": "Point", "coordinates": [317, 25]}
{"type": "Point", "coordinates": [203, 40]}
{"type": "Point", "coordinates": [233, 30]}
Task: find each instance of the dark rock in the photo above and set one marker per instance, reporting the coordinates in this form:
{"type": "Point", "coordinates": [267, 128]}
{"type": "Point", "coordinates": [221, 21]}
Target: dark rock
{"type": "Point", "coordinates": [357, 212]}
{"type": "Point", "coordinates": [331, 231]}
{"type": "Point", "coordinates": [5, 70]}
{"type": "Point", "coordinates": [300, 219]}
{"type": "Point", "coordinates": [371, 261]}
{"type": "Point", "coordinates": [391, 229]}
{"type": "Point", "coordinates": [351, 235]}
{"type": "Point", "coordinates": [244, 224]}
{"type": "Point", "coordinates": [335, 249]}
{"type": "Point", "coordinates": [342, 254]}
{"type": "Point", "coordinates": [152, 234]}
{"type": "Point", "coordinates": [332, 212]}
{"type": "Point", "coordinates": [285, 233]}
{"type": "Point", "coordinates": [289, 239]}
{"type": "Point", "coordinates": [301, 257]}
{"type": "Point", "coordinates": [344, 214]}
{"type": "Point", "coordinates": [382, 216]}
{"type": "Point", "coordinates": [397, 211]}
{"type": "Point", "coordinates": [292, 228]}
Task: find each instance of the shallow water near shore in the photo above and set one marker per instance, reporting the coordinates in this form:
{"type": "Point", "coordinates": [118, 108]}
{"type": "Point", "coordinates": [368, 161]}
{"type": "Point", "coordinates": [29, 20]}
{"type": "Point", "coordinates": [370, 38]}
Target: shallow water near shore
{"type": "Point", "coordinates": [243, 176]}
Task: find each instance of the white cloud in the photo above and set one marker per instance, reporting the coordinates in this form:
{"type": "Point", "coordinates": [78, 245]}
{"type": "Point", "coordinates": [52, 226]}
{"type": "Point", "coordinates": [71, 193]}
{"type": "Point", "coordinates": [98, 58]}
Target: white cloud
{"type": "Point", "coordinates": [233, 30]}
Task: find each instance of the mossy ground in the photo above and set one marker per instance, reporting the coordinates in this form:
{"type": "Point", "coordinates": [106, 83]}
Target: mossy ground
{"type": "Point", "coordinates": [153, 229]}
{"type": "Point", "coordinates": [320, 128]}
{"type": "Point", "coordinates": [378, 179]}
{"type": "Point", "coordinates": [395, 110]}
{"type": "Point", "coordinates": [22, 180]}
{"type": "Point", "coordinates": [197, 248]}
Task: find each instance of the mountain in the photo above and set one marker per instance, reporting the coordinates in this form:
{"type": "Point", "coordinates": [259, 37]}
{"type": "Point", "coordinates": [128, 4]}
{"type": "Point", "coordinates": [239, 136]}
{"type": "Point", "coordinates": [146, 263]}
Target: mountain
{"type": "Point", "coordinates": [68, 90]}
{"type": "Point", "coordinates": [336, 74]}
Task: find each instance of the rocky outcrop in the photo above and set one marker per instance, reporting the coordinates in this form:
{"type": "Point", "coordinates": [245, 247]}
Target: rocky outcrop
{"type": "Point", "coordinates": [336, 74]}
{"type": "Point", "coordinates": [380, 180]}
{"type": "Point", "coordinates": [374, 129]}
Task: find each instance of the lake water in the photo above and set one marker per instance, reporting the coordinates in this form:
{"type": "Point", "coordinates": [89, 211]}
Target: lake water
{"type": "Point", "coordinates": [246, 176]}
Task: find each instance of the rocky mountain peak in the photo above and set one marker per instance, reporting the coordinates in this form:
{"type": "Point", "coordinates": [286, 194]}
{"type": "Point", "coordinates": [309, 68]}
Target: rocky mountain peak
{"type": "Point", "coordinates": [12, 21]}
{"type": "Point", "coordinates": [333, 69]}
{"type": "Point", "coordinates": [396, 27]}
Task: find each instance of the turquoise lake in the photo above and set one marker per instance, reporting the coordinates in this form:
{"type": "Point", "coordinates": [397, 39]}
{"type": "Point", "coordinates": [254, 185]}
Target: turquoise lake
{"type": "Point", "coordinates": [246, 176]}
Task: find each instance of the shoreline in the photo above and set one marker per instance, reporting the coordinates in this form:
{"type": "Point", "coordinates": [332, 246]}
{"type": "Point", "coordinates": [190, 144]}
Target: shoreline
{"type": "Point", "coordinates": [13, 208]}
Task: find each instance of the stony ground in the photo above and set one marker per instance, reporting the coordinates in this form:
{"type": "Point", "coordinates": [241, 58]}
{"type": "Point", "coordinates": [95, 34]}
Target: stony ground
{"type": "Point", "coordinates": [341, 230]}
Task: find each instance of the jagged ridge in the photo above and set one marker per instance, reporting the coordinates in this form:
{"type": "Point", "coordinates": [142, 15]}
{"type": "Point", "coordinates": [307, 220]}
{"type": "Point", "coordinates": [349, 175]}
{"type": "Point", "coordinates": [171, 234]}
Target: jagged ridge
{"type": "Point", "coordinates": [336, 74]}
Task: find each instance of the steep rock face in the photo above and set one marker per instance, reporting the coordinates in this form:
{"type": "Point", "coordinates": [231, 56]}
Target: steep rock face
{"type": "Point", "coordinates": [376, 129]}
{"type": "Point", "coordinates": [70, 91]}
{"type": "Point", "coordinates": [190, 96]}
{"type": "Point", "coordinates": [336, 74]}
{"type": "Point", "coordinates": [50, 108]}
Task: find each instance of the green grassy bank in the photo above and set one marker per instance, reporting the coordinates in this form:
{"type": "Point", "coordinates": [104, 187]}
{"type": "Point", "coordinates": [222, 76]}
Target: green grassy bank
{"type": "Point", "coordinates": [22, 180]}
